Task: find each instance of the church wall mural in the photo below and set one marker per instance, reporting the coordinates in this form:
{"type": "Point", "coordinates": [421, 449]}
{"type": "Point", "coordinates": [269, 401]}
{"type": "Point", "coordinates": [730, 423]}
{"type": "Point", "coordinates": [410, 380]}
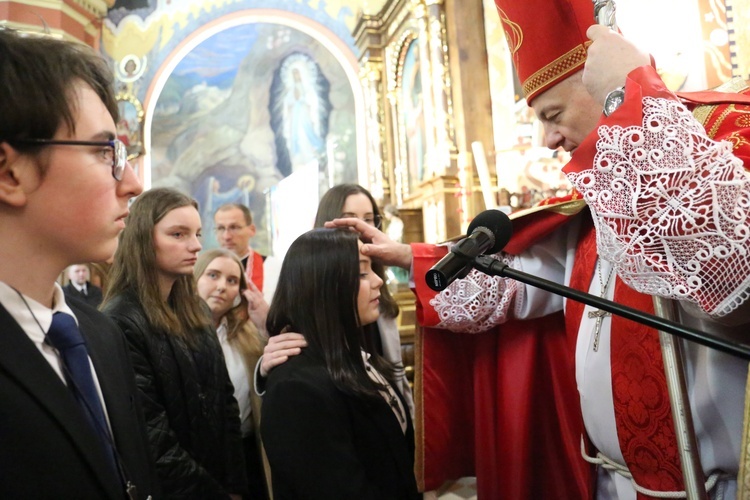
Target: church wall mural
{"type": "Point", "coordinates": [237, 100]}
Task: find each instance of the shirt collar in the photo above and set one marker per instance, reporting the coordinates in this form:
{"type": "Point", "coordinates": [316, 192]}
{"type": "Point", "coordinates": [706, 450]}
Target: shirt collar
{"type": "Point", "coordinates": [27, 311]}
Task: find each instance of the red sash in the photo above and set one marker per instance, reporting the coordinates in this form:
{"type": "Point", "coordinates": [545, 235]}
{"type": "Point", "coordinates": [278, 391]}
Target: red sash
{"type": "Point", "coordinates": [643, 415]}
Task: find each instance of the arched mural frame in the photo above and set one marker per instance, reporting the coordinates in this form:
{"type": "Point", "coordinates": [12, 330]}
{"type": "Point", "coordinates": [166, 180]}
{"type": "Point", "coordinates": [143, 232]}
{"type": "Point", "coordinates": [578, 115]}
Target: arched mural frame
{"type": "Point", "coordinates": [405, 42]}
{"type": "Point", "coordinates": [395, 53]}
{"type": "Point", "coordinates": [320, 33]}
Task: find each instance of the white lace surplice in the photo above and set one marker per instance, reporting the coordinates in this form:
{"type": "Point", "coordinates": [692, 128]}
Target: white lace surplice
{"type": "Point", "coordinates": [671, 208]}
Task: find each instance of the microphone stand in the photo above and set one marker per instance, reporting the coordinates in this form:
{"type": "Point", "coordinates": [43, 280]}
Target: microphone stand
{"type": "Point", "coordinates": [494, 267]}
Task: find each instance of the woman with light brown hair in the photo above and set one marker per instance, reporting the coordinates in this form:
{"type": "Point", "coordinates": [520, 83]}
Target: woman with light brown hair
{"type": "Point", "coordinates": [222, 284]}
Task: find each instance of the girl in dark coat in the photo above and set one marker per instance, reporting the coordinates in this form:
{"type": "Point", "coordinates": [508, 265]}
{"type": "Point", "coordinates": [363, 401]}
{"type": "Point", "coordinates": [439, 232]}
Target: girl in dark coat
{"type": "Point", "coordinates": [191, 415]}
{"type": "Point", "coordinates": [334, 424]}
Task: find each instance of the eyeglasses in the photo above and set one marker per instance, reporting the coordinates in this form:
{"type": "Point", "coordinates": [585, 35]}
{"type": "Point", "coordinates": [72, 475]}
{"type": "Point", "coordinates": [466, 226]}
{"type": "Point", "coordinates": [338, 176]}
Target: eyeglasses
{"type": "Point", "coordinates": [229, 229]}
{"type": "Point", "coordinates": [115, 153]}
{"type": "Point", "coordinates": [374, 220]}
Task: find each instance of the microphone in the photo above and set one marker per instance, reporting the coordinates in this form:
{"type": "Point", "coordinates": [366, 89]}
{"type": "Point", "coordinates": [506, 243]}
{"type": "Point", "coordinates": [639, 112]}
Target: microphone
{"type": "Point", "coordinates": [489, 232]}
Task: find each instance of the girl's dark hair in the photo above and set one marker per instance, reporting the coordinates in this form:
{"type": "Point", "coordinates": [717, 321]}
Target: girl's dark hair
{"type": "Point", "coordinates": [134, 267]}
{"type": "Point", "coordinates": [317, 297]}
{"type": "Point", "coordinates": [330, 207]}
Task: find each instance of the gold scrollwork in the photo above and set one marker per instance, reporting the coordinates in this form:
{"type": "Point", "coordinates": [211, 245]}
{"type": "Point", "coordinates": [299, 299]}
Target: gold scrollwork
{"type": "Point", "coordinates": [130, 123]}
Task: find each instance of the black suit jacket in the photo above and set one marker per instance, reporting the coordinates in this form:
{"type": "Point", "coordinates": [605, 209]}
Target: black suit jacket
{"type": "Point", "coordinates": [324, 444]}
{"type": "Point", "coordinates": [93, 295]}
{"type": "Point", "coordinates": [47, 447]}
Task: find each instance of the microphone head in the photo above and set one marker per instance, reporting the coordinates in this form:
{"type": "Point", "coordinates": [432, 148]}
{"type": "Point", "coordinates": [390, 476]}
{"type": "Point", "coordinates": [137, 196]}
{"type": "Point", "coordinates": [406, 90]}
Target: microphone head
{"type": "Point", "coordinates": [498, 224]}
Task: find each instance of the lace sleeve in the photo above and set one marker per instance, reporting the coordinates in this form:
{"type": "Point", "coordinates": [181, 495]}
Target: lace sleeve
{"type": "Point", "coordinates": [477, 302]}
{"type": "Point", "coordinates": [671, 208]}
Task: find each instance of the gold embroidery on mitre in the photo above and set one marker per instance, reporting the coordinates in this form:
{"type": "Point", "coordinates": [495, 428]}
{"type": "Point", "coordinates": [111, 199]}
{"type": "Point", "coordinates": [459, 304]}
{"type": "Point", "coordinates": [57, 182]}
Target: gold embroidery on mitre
{"type": "Point", "coordinates": [513, 35]}
{"type": "Point", "coordinates": [551, 72]}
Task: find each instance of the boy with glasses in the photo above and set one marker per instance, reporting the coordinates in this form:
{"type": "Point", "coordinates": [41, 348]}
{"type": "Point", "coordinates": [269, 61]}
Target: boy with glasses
{"type": "Point", "coordinates": [71, 424]}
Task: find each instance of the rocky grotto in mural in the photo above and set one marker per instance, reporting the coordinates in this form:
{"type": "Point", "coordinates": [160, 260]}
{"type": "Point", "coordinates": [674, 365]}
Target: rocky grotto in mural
{"type": "Point", "coordinates": [246, 108]}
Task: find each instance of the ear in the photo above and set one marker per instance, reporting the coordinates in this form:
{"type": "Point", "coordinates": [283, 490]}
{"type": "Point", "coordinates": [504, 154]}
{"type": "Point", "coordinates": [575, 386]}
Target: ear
{"type": "Point", "coordinates": [252, 230]}
{"type": "Point", "coordinates": [12, 164]}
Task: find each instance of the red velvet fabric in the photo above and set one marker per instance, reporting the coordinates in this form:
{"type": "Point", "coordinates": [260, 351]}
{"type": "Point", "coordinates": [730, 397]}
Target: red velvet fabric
{"type": "Point", "coordinates": [641, 400]}
{"type": "Point", "coordinates": [502, 405]}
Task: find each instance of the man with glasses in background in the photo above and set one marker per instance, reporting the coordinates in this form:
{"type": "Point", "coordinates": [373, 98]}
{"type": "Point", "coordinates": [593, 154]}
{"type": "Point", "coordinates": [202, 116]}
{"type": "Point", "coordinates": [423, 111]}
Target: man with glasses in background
{"type": "Point", "coordinates": [233, 223]}
{"type": "Point", "coordinates": [71, 424]}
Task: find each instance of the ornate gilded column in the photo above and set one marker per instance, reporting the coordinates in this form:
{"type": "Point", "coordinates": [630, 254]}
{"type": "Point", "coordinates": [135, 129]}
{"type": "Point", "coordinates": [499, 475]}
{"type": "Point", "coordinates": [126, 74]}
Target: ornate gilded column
{"type": "Point", "coordinates": [442, 148]}
{"type": "Point", "coordinates": [371, 76]}
{"type": "Point", "coordinates": [400, 174]}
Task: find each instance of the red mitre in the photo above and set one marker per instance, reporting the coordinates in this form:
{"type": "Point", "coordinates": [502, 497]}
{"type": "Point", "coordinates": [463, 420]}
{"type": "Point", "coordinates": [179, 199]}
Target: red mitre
{"type": "Point", "coordinates": [547, 39]}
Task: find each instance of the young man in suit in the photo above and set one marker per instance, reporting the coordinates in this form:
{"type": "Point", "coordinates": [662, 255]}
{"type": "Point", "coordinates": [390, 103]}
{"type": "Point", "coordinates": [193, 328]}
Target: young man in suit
{"type": "Point", "coordinates": [80, 287]}
{"type": "Point", "coordinates": [70, 422]}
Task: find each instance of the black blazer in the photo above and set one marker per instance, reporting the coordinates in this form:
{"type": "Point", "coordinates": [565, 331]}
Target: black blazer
{"type": "Point", "coordinates": [324, 444]}
{"type": "Point", "coordinates": [92, 298]}
{"type": "Point", "coordinates": [47, 448]}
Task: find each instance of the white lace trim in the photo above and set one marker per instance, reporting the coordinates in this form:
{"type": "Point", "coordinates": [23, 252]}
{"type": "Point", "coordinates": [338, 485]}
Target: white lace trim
{"type": "Point", "coordinates": [671, 208]}
{"type": "Point", "coordinates": [477, 302]}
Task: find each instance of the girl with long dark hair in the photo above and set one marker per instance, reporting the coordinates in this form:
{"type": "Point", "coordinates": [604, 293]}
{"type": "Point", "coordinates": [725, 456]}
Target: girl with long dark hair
{"type": "Point", "coordinates": [352, 200]}
{"type": "Point", "coordinates": [334, 423]}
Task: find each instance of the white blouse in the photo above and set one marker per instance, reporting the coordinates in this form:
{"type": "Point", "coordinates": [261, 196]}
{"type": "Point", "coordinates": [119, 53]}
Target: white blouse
{"type": "Point", "coordinates": [239, 374]}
